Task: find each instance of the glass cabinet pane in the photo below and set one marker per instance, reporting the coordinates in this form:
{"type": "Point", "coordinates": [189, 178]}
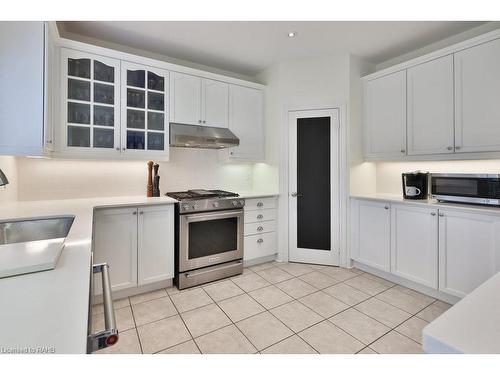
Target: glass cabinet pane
{"type": "Point", "coordinates": [156, 141]}
{"type": "Point", "coordinates": [103, 72]}
{"type": "Point", "coordinates": [79, 68]}
{"type": "Point", "coordinates": [156, 121]}
{"type": "Point", "coordinates": [78, 90]}
{"type": "Point", "coordinates": [135, 140]}
{"type": "Point", "coordinates": [156, 82]}
{"type": "Point", "coordinates": [78, 113]}
{"type": "Point", "coordinates": [155, 101]}
{"type": "Point", "coordinates": [104, 115]}
{"type": "Point", "coordinates": [104, 138]}
{"type": "Point", "coordinates": [104, 93]}
{"type": "Point", "coordinates": [135, 98]}
{"type": "Point", "coordinates": [136, 78]}
{"type": "Point", "coordinates": [78, 136]}
{"type": "Point", "coordinates": [135, 119]}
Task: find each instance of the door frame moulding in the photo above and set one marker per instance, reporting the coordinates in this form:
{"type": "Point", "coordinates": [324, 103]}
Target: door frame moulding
{"type": "Point", "coordinates": [283, 212]}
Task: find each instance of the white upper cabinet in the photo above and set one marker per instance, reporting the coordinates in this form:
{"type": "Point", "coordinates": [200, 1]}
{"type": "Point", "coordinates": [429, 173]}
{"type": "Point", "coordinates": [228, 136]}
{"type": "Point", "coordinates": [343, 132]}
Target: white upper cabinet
{"type": "Point", "coordinates": [214, 103]}
{"type": "Point", "coordinates": [385, 116]}
{"type": "Point", "coordinates": [246, 122]}
{"type": "Point", "coordinates": [90, 103]}
{"type": "Point", "coordinates": [430, 107]}
{"type": "Point", "coordinates": [185, 99]}
{"type": "Point", "coordinates": [414, 244]}
{"type": "Point", "coordinates": [371, 233]}
{"type": "Point", "coordinates": [22, 73]}
{"type": "Point", "coordinates": [469, 250]}
{"type": "Point", "coordinates": [144, 113]}
{"type": "Point", "coordinates": [477, 98]}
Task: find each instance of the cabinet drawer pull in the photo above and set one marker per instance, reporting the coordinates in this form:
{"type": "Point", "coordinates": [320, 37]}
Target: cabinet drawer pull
{"type": "Point", "coordinates": [260, 229]}
{"type": "Point", "coordinates": [433, 213]}
{"type": "Point", "coordinates": [260, 240]}
{"type": "Point", "coordinates": [260, 216]}
{"type": "Point", "coordinates": [260, 204]}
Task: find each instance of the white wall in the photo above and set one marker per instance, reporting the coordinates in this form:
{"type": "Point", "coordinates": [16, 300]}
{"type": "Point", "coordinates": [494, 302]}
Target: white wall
{"type": "Point", "coordinates": [187, 169]}
{"type": "Point", "coordinates": [389, 173]}
{"type": "Point", "coordinates": [8, 193]}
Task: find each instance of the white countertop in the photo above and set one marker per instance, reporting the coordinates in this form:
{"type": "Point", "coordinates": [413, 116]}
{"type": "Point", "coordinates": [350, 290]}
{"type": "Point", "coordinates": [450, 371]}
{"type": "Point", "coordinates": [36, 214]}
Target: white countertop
{"type": "Point", "coordinates": [470, 326]}
{"type": "Point", "coordinates": [427, 202]}
{"type": "Point", "coordinates": [49, 309]}
{"type": "Point", "coordinates": [257, 194]}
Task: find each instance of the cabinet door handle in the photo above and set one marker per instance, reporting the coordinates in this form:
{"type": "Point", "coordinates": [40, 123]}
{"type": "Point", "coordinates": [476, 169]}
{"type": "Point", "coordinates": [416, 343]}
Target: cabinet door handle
{"type": "Point", "coordinates": [134, 213]}
{"type": "Point", "coordinates": [260, 240]}
{"type": "Point", "coordinates": [441, 214]}
{"type": "Point", "coordinates": [118, 149]}
{"type": "Point", "coordinates": [204, 121]}
{"type": "Point", "coordinates": [449, 148]}
{"type": "Point", "coordinates": [260, 204]}
{"type": "Point", "coordinates": [260, 229]}
{"type": "Point", "coordinates": [199, 121]}
{"type": "Point", "coordinates": [433, 213]}
{"type": "Point", "coordinates": [386, 207]}
{"type": "Point", "coordinates": [260, 216]}
{"type": "Point", "coordinates": [403, 151]}
{"type": "Point", "coordinates": [141, 213]}
{"type": "Point", "coordinates": [457, 147]}
{"type": "Point", "coordinates": [123, 148]}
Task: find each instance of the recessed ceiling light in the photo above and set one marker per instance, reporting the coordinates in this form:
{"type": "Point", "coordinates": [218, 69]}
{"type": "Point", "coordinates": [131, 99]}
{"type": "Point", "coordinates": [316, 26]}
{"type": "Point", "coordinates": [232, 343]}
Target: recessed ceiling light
{"type": "Point", "coordinates": [292, 34]}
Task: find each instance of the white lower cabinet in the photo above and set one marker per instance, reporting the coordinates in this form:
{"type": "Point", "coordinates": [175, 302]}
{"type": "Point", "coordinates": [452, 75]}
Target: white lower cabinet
{"type": "Point", "coordinates": [414, 244]}
{"type": "Point", "coordinates": [137, 243]}
{"type": "Point", "coordinates": [469, 250]}
{"type": "Point", "coordinates": [371, 233]}
{"type": "Point", "coordinates": [260, 228]}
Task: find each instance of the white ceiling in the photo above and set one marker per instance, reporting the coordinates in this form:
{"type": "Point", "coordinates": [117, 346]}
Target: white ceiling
{"type": "Point", "coordinates": [249, 47]}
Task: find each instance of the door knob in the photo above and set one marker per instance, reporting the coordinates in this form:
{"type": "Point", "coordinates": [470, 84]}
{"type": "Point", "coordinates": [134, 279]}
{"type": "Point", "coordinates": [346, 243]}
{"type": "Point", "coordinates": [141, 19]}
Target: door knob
{"type": "Point", "coordinates": [296, 195]}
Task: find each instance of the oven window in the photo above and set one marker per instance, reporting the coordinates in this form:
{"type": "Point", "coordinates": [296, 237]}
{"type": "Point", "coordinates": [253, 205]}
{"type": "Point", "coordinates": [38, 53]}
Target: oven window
{"type": "Point", "coordinates": [456, 186]}
{"type": "Point", "coordinates": [212, 237]}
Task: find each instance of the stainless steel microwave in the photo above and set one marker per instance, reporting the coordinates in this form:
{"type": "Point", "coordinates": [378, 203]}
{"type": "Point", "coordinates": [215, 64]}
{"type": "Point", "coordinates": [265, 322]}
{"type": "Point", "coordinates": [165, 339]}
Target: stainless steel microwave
{"type": "Point", "coordinates": [466, 188]}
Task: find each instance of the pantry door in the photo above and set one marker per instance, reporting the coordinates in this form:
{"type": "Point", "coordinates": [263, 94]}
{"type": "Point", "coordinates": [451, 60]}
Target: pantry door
{"type": "Point", "coordinates": [313, 194]}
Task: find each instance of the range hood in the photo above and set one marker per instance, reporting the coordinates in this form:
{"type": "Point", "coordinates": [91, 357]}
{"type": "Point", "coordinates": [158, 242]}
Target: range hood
{"type": "Point", "coordinates": [194, 136]}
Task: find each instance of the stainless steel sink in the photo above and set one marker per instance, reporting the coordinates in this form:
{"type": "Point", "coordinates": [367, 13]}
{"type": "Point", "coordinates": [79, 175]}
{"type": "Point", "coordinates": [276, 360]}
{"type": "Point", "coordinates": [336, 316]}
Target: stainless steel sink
{"type": "Point", "coordinates": [25, 230]}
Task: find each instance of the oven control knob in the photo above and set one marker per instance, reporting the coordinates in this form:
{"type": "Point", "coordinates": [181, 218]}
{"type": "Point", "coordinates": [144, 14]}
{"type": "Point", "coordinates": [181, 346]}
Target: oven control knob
{"type": "Point", "coordinates": [185, 207]}
{"type": "Point", "coordinates": [215, 204]}
{"type": "Point", "coordinates": [235, 203]}
{"type": "Point", "coordinates": [242, 203]}
{"type": "Point", "coordinates": [194, 207]}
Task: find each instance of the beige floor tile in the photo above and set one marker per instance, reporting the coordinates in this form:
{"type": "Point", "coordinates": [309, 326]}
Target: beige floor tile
{"type": "Point", "coordinates": [367, 350]}
{"type": "Point", "coordinates": [123, 316]}
{"type": "Point", "coordinates": [366, 285]}
{"type": "Point", "coordinates": [317, 266]}
{"type": "Point", "coordinates": [240, 307]}
{"type": "Point", "coordinates": [395, 343]}
{"type": "Point", "coordinates": [117, 304]}
{"type": "Point", "coordinates": [318, 279]}
{"type": "Point", "coordinates": [205, 319]}
{"type": "Point", "coordinates": [150, 311]}
{"type": "Point", "coordinates": [162, 334]}
{"type": "Point", "coordinates": [274, 275]}
{"type": "Point", "coordinates": [434, 310]}
{"type": "Point", "coordinates": [128, 343]}
{"type": "Point", "coordinates": [383, 312]}
{"type": "Point", "coordinates": [296, 269]}
{"type": "Point", "coordinates": [296, 288]}
{"type": "Point", "coordinates": [262, 266]}
{"type": "Point", "coordinates": [227, 340]}
{"type": "Point", "coordinates": [264, 330]}
{"type": "Point", "coordinates": [190, 299]}
{"type": "Point", "coordinates": [246, 270]}
{"type": "Point", "coordinates": [270, 297]}
{"type": "Point", "coordinates": [326, 338]}
{"type": "Point", "coordinates": [250, 281]}
{"type": "Point", "coordinates": [379, 279]}
{"type": "Point", "coordinates": [172, 290]}
{"type": "Point", "coordinates": [339, 274]}
{"type": "Point", "coordinates": [291, 345]}
{"type": "Point", "coordinates": [359, 325]}
{"type": "Point", "coordinates": [222, 290]}
{"type": "Point", "coordinates": [296, 316]}
{"type": "Point", "coordinates": [407, 302]}
{"type": "Point", "coordinates": [148, 296]}
{"type": "Point", "coordinates": [346, 294]}
{"type": "Point", "coordinates": [355, 270]}
{"type": "Point", "coordinates": [412, 328]}
{"type": "Point", "coordinates": [188, 347]}
{"type": "Point", "coordinates": [324, 304]}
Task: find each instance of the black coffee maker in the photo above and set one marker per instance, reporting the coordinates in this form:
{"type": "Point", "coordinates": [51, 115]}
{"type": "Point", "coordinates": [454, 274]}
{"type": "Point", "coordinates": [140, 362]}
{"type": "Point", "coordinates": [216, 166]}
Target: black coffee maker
{"type": "Point", "coordinates": [415, 185]}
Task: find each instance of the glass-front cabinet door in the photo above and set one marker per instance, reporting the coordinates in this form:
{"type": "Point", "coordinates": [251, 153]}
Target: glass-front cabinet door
{"type": "Point", "coordinates": [144, 109]}
{"type": "Point", "coordinates": [90, 102]}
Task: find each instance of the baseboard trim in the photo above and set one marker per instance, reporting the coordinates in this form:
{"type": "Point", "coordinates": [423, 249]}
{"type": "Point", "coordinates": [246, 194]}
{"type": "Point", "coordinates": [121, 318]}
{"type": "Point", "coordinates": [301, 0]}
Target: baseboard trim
{"type": "Point", "coordinates": [129, 292]}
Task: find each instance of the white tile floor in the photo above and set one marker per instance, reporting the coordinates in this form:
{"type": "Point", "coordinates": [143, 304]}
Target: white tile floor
{"type": "Point", "coordinates": [276, 308]}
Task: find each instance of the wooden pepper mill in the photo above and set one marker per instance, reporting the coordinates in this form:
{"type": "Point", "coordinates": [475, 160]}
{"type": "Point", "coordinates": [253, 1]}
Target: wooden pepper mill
{"type": "Point", "coordinates": [150, 179]}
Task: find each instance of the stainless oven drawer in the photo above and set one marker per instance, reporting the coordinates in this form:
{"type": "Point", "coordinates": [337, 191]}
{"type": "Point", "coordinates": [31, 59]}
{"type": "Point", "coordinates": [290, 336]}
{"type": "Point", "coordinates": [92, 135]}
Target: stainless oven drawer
{"type": "Point", "coordinates": [208, 274]}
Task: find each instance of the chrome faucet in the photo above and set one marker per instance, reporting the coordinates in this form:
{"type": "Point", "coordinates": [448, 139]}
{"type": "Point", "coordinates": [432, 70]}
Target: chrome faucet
{"type": "Point", "coordinates": [3, 179]}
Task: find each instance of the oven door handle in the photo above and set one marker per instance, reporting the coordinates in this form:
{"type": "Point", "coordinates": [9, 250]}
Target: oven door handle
{"type": "Point", "coordinates": [109, 336]}
{"type": "Point", "coordinates": [213, 215]}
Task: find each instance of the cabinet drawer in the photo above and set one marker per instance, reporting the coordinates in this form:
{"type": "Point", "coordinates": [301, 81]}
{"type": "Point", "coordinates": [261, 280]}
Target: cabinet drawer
{"type": "Point", "coordinates": [260, 203]}
{"type": "Point", "coordinates": [259, 215]}
{"type": "Point", "coordinates": [263, 227]}
{"type": "Point", "coordinates": [260, 245]}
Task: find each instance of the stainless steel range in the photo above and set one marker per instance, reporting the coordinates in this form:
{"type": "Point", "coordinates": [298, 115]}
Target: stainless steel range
{"type": "Point", "coordinates": [208, 236]}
